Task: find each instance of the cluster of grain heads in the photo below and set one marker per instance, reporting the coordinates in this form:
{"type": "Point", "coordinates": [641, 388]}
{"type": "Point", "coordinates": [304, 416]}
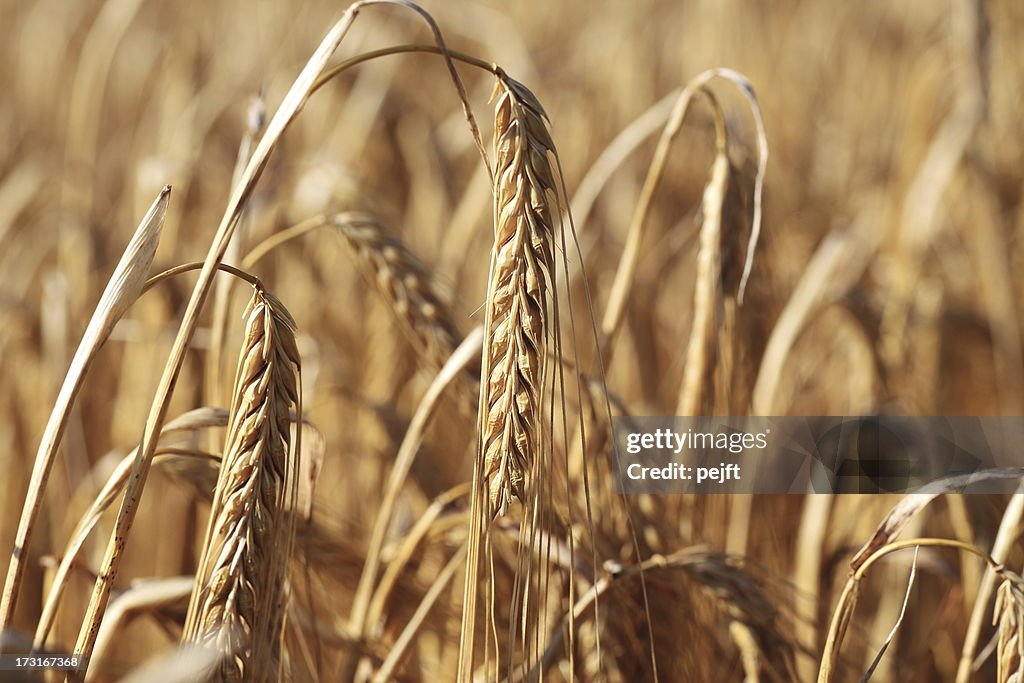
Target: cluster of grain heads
{"type": "Point", "coordinates": [239, 595]}
{"type": "Point", "coordinates": [845, 322]}
{"type": "Point", "coordinates": [517, 323]}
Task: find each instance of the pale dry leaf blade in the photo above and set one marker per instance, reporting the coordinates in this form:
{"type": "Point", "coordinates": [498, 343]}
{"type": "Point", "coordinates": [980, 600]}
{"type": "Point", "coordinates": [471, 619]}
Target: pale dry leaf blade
{"type": "Point", "coordinates": [122, 289]}
{"type": "Point", "coordinates": [290, 106]}
{"type": "Point", "coordinates": [908, 506]}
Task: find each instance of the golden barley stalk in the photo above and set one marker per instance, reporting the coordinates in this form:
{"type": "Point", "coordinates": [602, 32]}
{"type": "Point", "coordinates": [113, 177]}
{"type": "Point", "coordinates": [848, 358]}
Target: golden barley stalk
{"type": "Point", "coordinates": [517, 305]}
{"type": "Point", "coordinates": [238, 601]}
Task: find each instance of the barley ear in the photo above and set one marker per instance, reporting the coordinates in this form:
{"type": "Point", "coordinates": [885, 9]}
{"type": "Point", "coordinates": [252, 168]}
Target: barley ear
{"type": "Point", "coordinates": [238, 599]}
{"type": "Point", "coordinates": [511, 452]}
{"type": "Point", "coordinates": [1009, 619]}
{"type": "Point", "coordinates": [518, 297]}
{"type": "Point", "coordinates": [404, 283]}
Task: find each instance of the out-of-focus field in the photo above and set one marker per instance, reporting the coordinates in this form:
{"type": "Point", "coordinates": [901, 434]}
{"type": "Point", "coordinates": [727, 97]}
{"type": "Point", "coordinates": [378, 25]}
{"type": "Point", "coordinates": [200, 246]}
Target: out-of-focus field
{"type": "Point", "coordinates": [887, 279]}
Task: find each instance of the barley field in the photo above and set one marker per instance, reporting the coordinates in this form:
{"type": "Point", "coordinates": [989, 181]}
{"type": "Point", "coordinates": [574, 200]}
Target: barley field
{"type": "Point", "coordinates": [314, 320]}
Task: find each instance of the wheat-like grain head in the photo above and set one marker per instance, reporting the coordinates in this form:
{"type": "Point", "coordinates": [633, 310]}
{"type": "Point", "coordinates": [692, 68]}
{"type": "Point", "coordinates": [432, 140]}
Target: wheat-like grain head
{"type": "Point", "coordinates": [518, 296]}
{"type": "Point", "coordinates": [1009, 619]}
{"type": "Point", "coordinates": [238, 601]}
{"type": "Point", "coordinates": [405, 285]}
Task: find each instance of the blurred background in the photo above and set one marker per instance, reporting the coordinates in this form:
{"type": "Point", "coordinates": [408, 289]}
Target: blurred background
{"type": "Point", "coordinates": [887, 279]}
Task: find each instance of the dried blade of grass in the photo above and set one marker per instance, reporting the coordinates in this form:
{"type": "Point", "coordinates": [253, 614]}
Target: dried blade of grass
{"type": "Point", "coordinates": [810, 549]}
{"type": "Point", "coordinates": [920, 222]}
{"type": "Point", "coordinates": [628, 262]}
{"type": "Point", "coordinates": [238, 602]}
{"type": "Point", "coordinates": [92, 70]}
{"type": "Point", "coordinates": [144, 596]}
{"type": "Point", "coordinates": [286, 112]}
{"type": "Point", "coordinates": [92, 67]}
{"type": "Point", "coordinates": [835, 267]}
{"type": "Point", "coordinates": [114, 486]}
{"type": "Point", "coordinates": [404, 554]}
{"type": "Point", "coordinates": [624, 274]}
{"type": "Point", "coordinates": [122, 289]}
{"type": "Point", "coordinates": [750, 654]}
{"type": "Point", "coordinates": [842, 616]}
{"type": "Point", "coordinates": [892, 634]}
{"type": "Point", "coordinates": [963, 529]}
{"type": "Point", "coordinates": [914, 502]}
{"type": "Point", "coordinates": [707, 292]}
{"type": "Point", "coordinates": [613, 156]}
{"type": "Point", "coordinates": [466, 352]}
{"type": "Point", "coordinates": [746, 90]}
{"type": "Point", "coordinates": [255, 119]}
{"type": "Point", "coordinates": [892, 525]}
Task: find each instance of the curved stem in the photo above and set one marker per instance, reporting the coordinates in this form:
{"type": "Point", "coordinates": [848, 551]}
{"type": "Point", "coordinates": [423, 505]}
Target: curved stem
{"type": "Point", "coordinates": [291, 104]}
{"type": "Point", "coordinates": [847, 601]}
{"type": "Point", "coordinates": [624, 274]}
{"type": "Point", "coordinates": [467, 110]}
{"type": "Point", "coordinates": [926, 542]}
{"type": "Point", "coordinates": [278, 238]}
{"type": "Point", "coordinates": [196, 265]}
{"type": "Point", "coordinates": [403, 49]}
